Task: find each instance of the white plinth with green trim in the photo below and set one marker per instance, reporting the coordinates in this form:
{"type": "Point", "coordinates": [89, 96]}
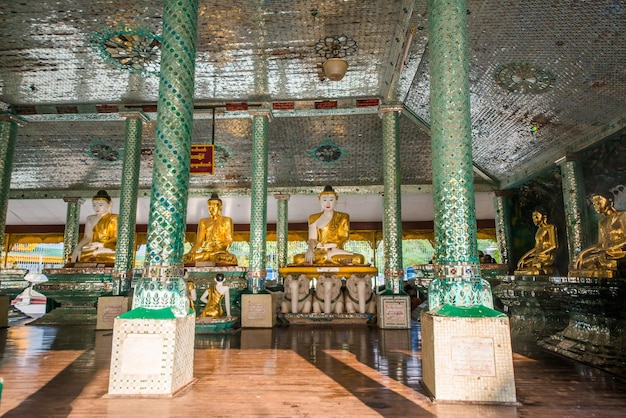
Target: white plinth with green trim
{"type": "Point", "coordinates": [151, 356]}
{"type": "Point", "coordinates": [468, 359]}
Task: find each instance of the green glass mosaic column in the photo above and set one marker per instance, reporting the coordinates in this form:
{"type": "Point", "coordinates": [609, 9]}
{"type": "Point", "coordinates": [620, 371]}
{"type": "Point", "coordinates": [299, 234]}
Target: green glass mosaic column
{"type": "Point", "coordinates": [125, 251]}
{"type": "Point", "coordinates": [282, 228]}
{"type": "Point", "coordinates": [503, 225]}
{"type": "Point", "coordinates": [8, 137]}
{"type": "Point", "coordinates": [458, 282]}
{"type": "Point", "coordinates": [72, 225]}
{"type": "Point", "coordinates": [392, 209]}
{"type": "Point", "coordinates": [163, 285]}
{"type": "Point", "coordinates": [576, 217]}
{"type": "Point", "coordinates": [258, 201]}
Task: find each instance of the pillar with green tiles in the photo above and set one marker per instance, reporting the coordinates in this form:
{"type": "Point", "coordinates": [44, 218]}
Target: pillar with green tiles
{"type": "Point", "coordinates": [8, 137]}
{"type": "Point", "coordinates": [576, 217]}
{"type": "Point", "coordinates": [162, 285]}
{"type": "Point", "coordinates": [458, 283]}
{"type": "Point", "coordinates": [125, 249]}
{"type": "Point", "coordinates": [502, 208]}
{"type": "Point", "coordinates": [282, 229]}
{"type": "Point", "coordinates": [72, 225]}
{"type": "Point", "coordinates": [258, 201]}
{"type": "Point", "coordinates": [392, 210]}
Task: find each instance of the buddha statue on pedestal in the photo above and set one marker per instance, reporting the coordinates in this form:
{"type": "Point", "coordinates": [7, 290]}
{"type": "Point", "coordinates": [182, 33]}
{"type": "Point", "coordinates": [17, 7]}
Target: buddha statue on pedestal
{"type": "Point", "coordinates": [214, 237]}
{"type": "Point", "coordinates": [100, 236]}
{"type": "Point", "coordinates": [600, 259]}
{"type": "Point", "coordinates": [329, 230]}
{"type": "Point", "coordinates": [540, 259]}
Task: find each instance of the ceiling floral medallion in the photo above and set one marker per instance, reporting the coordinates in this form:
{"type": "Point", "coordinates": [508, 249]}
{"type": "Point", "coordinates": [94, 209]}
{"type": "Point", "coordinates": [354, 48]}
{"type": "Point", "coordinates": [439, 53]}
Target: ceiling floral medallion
{"type": "Point", "coordinates": [134, 50]}
{"type": "Point", "coordinates": [103, 151]}
{"type": "Point", "coordinates": [524, 78]}
{"type": "Point", "coordinates": [327, 152]}
{"type": "Point", "coordinates": [335, 47]}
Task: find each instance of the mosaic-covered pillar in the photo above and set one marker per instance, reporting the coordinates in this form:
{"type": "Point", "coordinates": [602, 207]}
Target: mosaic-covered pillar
{"type": "Point", "coordinates": [282, 229]}
{"type": "Point", "coordinates": [163, 285]}
{"type": "Point", "coordinates": [72, 225]}
{"type": "Point", "coordinates": [125, 251]}
{"type": "Point", "coordinates": [258, 201]}
{"type": "Point", "coordinates": [8, 137]}
{"type": "Point", "coordinates": [392, 209]}
{"type": "Point", "coordinates": [576, 217]}
{"type": "Point", "coordinates": [458, 282]}
{"type": "Point", "coordinates": [502, 207]}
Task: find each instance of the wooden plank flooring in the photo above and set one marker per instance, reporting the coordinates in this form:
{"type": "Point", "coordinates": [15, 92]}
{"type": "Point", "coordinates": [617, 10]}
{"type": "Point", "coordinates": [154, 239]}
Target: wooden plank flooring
{"type": "Point", "coordinates": [288, 371]}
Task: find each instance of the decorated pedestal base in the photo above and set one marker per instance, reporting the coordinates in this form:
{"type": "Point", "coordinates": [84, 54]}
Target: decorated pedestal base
{"type": "Point", "coordinates": [533, 311]}
{"type": "Point", "coordinates": [313, 272]}
{"type": "Point", "coordinates": [394, 311]}
{"type": "Point", "coordinates": [334, 319]}
{"type": "Point", "coordinates": [467, 359]}
{"type": "Point", "coordinates": [151, 356]}
{"type": "Point", "coordinates": [217, 325]}
{"type": "Point", "coordinates": [12, 283]}
{"type": "Point", "coordinates": [489, 270]}
{"type": "Point", "coordinates": [603, 274]}
{"type": "Point", "coordinates": [596, 330]}
{"type": "Point", "coordinates": [77, 290]}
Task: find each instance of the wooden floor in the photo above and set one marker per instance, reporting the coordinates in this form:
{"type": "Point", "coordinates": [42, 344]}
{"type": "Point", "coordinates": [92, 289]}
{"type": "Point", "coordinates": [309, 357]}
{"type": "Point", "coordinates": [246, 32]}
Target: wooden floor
{"type": "Point", "coordinates": [287, 371]}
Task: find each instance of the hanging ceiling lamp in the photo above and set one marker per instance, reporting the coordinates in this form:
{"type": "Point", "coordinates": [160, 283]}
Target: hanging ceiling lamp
{"type": "Point", "coordinates": [334, 49]}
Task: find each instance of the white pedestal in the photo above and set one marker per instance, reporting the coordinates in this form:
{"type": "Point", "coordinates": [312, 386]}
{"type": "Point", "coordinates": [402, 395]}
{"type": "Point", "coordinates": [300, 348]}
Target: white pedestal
{"type": "Point", "coordinates": [258, 310]}
{"type": "Point", "coordinates": [394, 311]}
{"type": "Point", "coordinates": [467, 359]}
{"type": "Point", "coordinates": [110, 307]}
{"type": "Point", "coordinates": [151, 356]}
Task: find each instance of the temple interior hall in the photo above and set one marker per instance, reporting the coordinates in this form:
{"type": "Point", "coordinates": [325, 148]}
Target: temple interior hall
{"type": "Point", "coordinates": [312, 208]}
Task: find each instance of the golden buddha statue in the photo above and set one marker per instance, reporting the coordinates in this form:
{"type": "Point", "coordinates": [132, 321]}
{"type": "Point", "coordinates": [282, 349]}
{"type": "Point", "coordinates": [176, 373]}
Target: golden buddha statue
{"type": "Point", "coordinates": [329, 230]}
{"type": "Point", "coordinates": [601, 259]}
{"type": "Point", "coordinates": [100, 236]}
{"type": "Point", "coordinates": [214, 237]}
{"type": "Point", "coordinates": [540, 259]}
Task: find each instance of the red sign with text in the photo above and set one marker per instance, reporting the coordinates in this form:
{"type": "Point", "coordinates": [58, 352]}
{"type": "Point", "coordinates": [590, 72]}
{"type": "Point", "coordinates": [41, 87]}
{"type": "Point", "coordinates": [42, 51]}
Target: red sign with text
{"type": "Point", "coordinates": [201, 159]}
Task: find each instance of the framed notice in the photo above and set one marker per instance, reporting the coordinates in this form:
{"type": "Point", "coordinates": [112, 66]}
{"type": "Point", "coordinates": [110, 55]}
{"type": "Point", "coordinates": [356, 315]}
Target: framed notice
{"type": "Point", "coordinates": [201, 159]}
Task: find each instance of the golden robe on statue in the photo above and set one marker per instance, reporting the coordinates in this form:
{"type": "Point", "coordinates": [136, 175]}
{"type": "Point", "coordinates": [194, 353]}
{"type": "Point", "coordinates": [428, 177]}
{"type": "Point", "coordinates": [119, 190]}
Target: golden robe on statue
{"type": "Point", "coordinates": [104, 232]}
{"type": "Point", "coordinates": [332, 235]}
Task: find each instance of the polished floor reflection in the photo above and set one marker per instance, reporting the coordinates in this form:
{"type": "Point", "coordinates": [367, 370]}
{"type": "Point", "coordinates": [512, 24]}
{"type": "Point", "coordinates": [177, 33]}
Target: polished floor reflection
{"type": "Point", "coordinates": [287, 371]}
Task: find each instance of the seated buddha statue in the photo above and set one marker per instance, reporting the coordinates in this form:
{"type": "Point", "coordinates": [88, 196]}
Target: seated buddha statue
{"type": "Point", "coordinates": [540, 259]}
{"type": "Point", "coordinates": [329, 230]}
{"type": "Point", "coordinates": [602, 257]}
{"type": "Point", "coordinates": [100, 236]}
{"type": "Point", "coordinates": [214, 237]}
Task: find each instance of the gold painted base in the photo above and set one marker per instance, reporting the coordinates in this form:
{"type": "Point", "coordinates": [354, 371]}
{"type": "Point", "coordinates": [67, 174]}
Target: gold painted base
{"type": "Point", "coordinates": [536, 272]}
{"type": "Point", "coordinates": [607, 274]}
{"type": "Point", "coordinates": [312, 272]}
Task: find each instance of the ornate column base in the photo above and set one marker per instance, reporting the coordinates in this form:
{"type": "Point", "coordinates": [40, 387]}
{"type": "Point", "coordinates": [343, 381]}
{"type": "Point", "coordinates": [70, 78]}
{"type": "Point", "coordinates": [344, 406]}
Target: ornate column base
{"type": "Point", "coordinates": [151, 356]}
{"type": "Point", "coordinates": [467, 359]}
